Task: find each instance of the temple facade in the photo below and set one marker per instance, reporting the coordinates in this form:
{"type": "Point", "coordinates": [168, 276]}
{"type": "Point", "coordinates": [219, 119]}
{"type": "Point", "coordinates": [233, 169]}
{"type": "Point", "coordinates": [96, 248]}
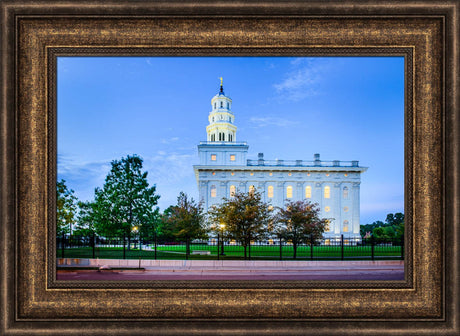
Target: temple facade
{"type": "Point", "coordinates": [224, 169]}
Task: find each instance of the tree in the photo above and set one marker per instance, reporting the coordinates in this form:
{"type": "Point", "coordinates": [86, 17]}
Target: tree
{"type": "Point", "coordinates": [86, 219]}
{"type": "Point", "coordinates": [186, 220]}
{"type": "Point", "coordinates": [125, 201]}
{"type": "Point", "coordinates": [299, 222]}
{"type": "Point", "coordinates": [66, 208]}
{"type": "Point", "coordinates": [245, 215]}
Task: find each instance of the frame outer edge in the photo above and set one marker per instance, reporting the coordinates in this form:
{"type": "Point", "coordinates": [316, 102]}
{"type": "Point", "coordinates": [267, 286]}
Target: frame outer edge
{"type": "Point", "coordinates": [452, 183]}
{"type": "Point", "coordinates": [7, 170]}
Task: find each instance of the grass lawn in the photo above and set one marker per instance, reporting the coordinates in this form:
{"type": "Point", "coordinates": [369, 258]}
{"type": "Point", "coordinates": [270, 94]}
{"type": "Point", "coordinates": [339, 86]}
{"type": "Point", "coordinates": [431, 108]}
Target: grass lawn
{"type": "Point", "coordinates": [233, 252]}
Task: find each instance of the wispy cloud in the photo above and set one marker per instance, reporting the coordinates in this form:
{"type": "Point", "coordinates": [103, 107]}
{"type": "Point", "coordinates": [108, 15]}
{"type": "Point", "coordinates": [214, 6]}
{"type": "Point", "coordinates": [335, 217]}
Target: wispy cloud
{"type": "Point", "coordinates": [170, 140]}
{"type": "Point", "coordinates": [83, 177]}
{"type": "Point", "coordinates": [257, 122]}
{"type": "Point", "coordinates": [303, 80]}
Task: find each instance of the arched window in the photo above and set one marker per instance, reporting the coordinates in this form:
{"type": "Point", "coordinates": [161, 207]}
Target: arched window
{"type": "Point", "coordinates": [232, 190]}
{"type": "Point", "coordinates": [289, 192]}
{"type": "Point", "coordinates": [215, 106]}
{"type": "Point", "coordinates": [345, 192]}
{"type": "Point", "coordinates": [228, 105]}
{"type": "Point", "coordinates": [213, 191]}
{"type": "Point", "coordinates": [221, 104]}
{"type": "Point", "coordinates": [307, 192]}
{"type": "Point", "coordinates": [345, 226]}
{"type": "Point", "coordinates": [327, 192]}
{"type": "Point", "coordinates": [212, 119]}
{"type": "Point", "coordinates": [230, 137]}
{"type": "Point", "coordinates": [213, 137]}
{"type": "Point", "coordinates": [270, 191]}
{"type": "Point", "coordinates": [251, 189]}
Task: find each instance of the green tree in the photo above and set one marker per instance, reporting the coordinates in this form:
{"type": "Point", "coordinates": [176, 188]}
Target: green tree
{"type": "Point", "coordinates": [186, 220]}
{"type": "Point", "coordinates": [299, 222]}
{"type": "Point", "coordinates": [86, 219]}
{"type": "Point", "coordinates": [66, 207]}
{"type": "Point", "coordinates": [125, 201]}
{"type": "Point", "coordinates": [246, 217]}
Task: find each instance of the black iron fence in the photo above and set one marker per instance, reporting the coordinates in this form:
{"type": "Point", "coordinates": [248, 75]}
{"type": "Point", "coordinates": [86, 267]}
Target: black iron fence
{"type": "Point", "coordinates": [337, 248]}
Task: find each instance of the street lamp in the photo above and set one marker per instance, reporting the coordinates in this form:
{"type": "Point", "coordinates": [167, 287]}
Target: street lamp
{"type": "Point", "coordinates": [135, 230]}
{"type": "Point", "coordinates": [222, 227]}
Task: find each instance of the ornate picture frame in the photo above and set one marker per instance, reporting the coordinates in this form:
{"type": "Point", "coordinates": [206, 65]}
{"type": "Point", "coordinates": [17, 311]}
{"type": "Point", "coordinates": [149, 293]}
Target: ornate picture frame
{"type": "Point", "coordinates": [34, 34]}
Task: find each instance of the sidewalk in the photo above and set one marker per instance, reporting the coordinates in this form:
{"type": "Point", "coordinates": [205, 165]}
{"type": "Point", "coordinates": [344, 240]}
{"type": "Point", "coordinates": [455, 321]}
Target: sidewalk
{"type": "Point", "coordinates": [235, 270]}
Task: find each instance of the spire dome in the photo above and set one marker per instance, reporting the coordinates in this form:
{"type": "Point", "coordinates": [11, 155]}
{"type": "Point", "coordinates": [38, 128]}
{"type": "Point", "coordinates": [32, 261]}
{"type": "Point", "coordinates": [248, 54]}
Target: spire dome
{"type": "Point", "coordinates": [221, 119]}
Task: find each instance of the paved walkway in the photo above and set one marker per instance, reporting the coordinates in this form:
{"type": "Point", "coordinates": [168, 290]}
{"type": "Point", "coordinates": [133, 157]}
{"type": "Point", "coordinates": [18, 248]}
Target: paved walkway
{"type": "Point", "coordinates": [248, 270]}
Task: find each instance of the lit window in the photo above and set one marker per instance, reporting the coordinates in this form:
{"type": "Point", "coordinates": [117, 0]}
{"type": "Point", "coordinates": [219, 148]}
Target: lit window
{"type": "Point", "coordinates": [270, 191]}
{"type": "Point", "coordinates": [327, 192]}
{"type": "Point", "coordinates": [270, 174]}
{"type": "Point", "coordinates": [232, 157]}
{"type": "Point", "coordinates": [289, 192]}
{"type": "Point", "coordinates": [327, 241]}
{"type": "Point", "coordinates": [213, 157]}
{"type": "Point", "coordinates": [345, 175]}
{"type": "Point", "coordinates": [289, 174]}
{"type": "Point", "coordinates": [307, 192]}
{"type": "Point", "coordinates": [213, 173]}
{"type": "Point", "coordinates": [251, 189]}
{"type": "Point", "coordinates": [345, 192]}
{"type": "Point", "coordinates": [327, 174]}
{"type": "Point", "coordinates": [345, 209]}
{"type": "Point", "coordinates": [345, 226]}
{"type": "Point", "coordinates": [213, 191]}
{"type": "Point", "coordinates": [233, 173]}
{"type": "Point", "coordinates": [232, 190]}
{"type": "Point", "coordinates": [308, 174]}
{"type": "Point", "coordinates": [252, 174]}
{"type": "Point", "coordinates": [327, 209]}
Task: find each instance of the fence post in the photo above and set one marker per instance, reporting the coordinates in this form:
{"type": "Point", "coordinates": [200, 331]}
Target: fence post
{"type": "Point", "coordinates": [124, 246]}
{"type": "Point", "coordinates": [372, 246]}
{"type": "Point", "coordinates": [62, 245]}
{"type": "Point", "coordinates": [187, 248]}
{"type": "Point", "coordinates": [341, 245]}
{"type": "Point", "coordinates": [218, 246]}
{"type": "Point", "coordinates": [156, 243]}
{"type": "Point", "coordinates": [311, 246]}
{"type": "Point", "coordinates": [402, 248]}
{"type": "Point", "coordinates": [94, 245]}
{"type": "Point", "coordinates": [281, 249]}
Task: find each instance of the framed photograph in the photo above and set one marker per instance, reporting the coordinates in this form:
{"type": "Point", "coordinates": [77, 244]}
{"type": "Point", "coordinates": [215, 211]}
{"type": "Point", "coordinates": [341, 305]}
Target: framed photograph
{"type": "Point", "coordinates": [38, 40]}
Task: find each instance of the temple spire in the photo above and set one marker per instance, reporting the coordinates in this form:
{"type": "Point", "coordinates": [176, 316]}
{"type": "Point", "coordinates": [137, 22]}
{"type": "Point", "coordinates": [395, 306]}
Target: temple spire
{"type": "Point", "coordinates": [221, 85]}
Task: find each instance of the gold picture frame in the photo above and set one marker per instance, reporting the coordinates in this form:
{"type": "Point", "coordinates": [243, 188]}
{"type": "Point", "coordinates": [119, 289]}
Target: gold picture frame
{"type": "Point", "coordinates": [34, 34]}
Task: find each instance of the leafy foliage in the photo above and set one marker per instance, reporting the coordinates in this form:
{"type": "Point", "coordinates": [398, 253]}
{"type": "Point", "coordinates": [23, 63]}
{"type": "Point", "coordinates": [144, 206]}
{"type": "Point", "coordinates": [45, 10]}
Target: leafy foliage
{"type": "Point", "coordinates": [125, 201]}
{"type": "Point", "coordinates": [299, 222]}
{"type": "Point", "coordinates": [392, 228]}
{"type": "Point", "coordinates": [245, 216]}
{"type": "Point", "coordinates": [186, 220]}
{"type": "Point", "coordinates": [66, 208]}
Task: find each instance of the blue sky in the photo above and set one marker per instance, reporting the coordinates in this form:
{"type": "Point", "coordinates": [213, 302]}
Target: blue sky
{"type": "Point", "coordinates": [345, 108]}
